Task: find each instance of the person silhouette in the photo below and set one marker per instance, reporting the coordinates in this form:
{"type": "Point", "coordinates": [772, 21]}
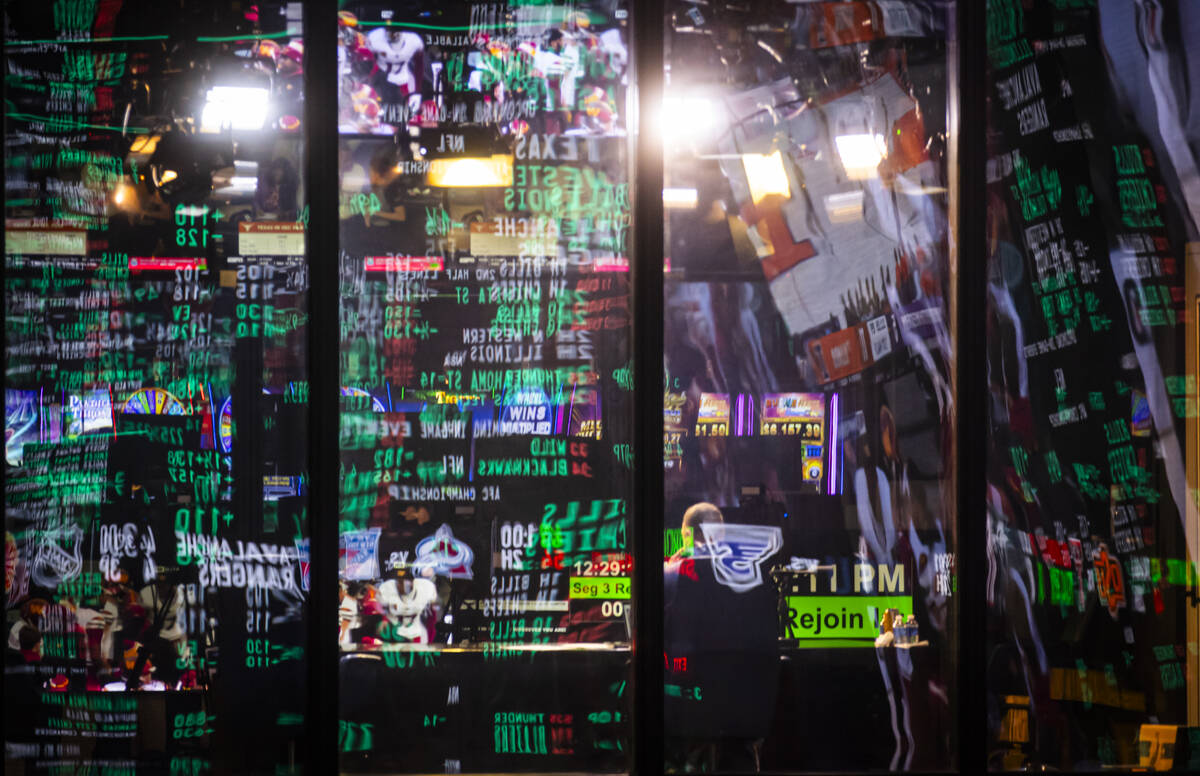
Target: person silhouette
{"type": "Point", "coordinates": [721, 656]}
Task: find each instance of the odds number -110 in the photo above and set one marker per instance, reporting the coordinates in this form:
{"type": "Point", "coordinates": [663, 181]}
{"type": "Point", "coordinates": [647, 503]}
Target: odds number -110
{"type": "Point", "coordinates": [191, 222]}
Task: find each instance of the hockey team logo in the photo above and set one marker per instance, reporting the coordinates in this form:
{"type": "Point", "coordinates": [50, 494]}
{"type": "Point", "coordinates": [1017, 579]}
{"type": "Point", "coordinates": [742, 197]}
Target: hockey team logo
{"type": "Point", "coordinates": [445, 554]}
{"type": "Point", "coordinates": [738, 552]}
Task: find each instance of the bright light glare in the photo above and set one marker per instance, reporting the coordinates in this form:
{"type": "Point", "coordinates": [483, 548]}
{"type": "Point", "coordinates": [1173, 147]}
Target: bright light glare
{"type": "Point", "coordinates": [861, 154]}
{"type": "Point", "coordinates": [234, 107]}
{"type": "Point", "coordinates": [687, 119]}
{"type": "Point", "coordinates": [680, 199]}
{"type": "Point", "coordinates": [450, 173]}
{"type": "Point", "coordinates": [123, 195]}
{"type": "Point", "coordinates": [766, 175]}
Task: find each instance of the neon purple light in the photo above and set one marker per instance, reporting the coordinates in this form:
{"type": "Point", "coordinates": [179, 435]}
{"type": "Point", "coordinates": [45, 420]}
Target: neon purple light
{"type": "Point", "coordinates": [834, 447]}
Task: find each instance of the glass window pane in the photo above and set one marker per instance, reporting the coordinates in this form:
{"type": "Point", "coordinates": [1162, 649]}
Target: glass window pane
{"type": "Point", "coordinates": [485, 363]}
{"type": "Point", "coordinates": [810, 524]}
{"type": "Point", "coordinates": [155, 427]}
{"type": "Point", "coordinates": [1092, 302]}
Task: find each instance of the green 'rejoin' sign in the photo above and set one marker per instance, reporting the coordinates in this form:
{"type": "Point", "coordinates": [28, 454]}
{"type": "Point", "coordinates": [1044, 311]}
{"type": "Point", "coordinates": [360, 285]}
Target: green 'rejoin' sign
{"type": "Point", "coordinates": [840, 616]}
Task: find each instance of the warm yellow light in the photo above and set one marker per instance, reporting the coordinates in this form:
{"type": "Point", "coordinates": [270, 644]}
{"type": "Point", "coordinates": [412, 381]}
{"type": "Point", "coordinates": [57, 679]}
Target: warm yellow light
{"type": "Point", "coordinates": [680, 199]}
{"type": "Point", "coordinates": [123, 195]}
{"type": "Point", "coordinates": [471, 172]}
{"type": "Point", "coordinates": [145, 144]}
{"type": "Point", "coordinates": [167, 177]}
{"type": "Point", "coordinates": [766, 175]}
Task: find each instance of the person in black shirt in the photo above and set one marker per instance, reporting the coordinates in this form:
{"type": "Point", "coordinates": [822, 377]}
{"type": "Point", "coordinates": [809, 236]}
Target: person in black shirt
{"type": "Point", "coordinates": [721, 655]}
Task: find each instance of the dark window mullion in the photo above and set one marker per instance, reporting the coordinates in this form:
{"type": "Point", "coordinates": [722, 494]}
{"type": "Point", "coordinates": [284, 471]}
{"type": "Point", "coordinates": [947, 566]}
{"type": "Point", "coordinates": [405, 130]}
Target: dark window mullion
{"type": "Point", "coordinates": [321, 150]}
{"type": "Point", "coordinates": [647, 337]}
{"type": "Point", "coordinates": [968, 114]}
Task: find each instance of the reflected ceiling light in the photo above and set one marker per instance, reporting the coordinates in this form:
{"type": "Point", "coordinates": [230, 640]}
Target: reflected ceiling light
{"type": "Point", "coordinates": [144, 144]}
{"type": "Point", "coordinates": [844, 207]}
{"type": "Point", "coordinates": [680, 199]}
{"type": "Point", "coordinates": [861, 154]}
{"type": "Point", "coordinates": [234, 107]}
{"type": "Point", "coordinates": [771, 51]}
{"type": "Point", "coordinates": [765, 174]}
{"type": "Point", "coordinates": [164, 177]}
{"type": "Point", "coordinates": [241, 178]}
{"type": "Point", "coordinates": [496, 170]}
